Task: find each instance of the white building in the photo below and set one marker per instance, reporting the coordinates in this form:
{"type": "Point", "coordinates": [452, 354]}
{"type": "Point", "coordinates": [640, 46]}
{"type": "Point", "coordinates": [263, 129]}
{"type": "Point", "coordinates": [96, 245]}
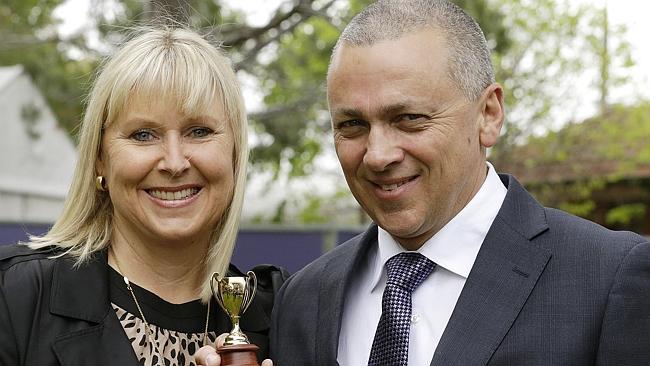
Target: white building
{"type": "Point", "coordinates": [37, 157]}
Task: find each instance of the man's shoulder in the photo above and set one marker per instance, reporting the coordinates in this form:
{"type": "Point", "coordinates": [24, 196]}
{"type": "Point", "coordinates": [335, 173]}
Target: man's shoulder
{"type": "Point", "coordinates": [559, 229]}
{"type": "Point", "coordinates": [572, 229]}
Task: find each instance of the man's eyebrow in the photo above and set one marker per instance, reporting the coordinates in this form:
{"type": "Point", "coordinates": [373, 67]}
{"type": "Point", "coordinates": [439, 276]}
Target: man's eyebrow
{"type": "Point", "coordinates": [393, 109]}
{"type": "Point", "coordinates": [348, 113]}
{"type": "Point", "coordinates": [388, 110]}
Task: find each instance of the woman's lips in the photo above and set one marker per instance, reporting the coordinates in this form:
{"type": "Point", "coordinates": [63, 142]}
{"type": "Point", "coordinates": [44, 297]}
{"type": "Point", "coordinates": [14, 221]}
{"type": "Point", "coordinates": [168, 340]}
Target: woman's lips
{"type": "Point", "coordinates": [173, 196]}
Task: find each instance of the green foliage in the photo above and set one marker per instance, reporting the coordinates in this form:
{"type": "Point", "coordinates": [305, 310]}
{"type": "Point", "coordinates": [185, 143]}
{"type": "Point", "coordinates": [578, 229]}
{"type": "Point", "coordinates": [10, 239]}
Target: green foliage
{"type": "Point", "coordinates": [583, 208]}
{"type": "Point", "coordinates": [27, 29]}
{"type": "Point", "coordinates": [21, 17]}
{"type": "Point", "coordinates": [625, 214]}
{"type": "Point", "coordinates": [293, 83]}
{"type": "Point", "coordinates": [490, 18]}
{"type": "Point", "coordinates": [535, 44]}
{"type": "Point", "coordinates": [312, 213]}
{"type": "Point", "coordinates": [552, 44]}
{"type": "Point", "coordinates": [295, 121]}
{"type": "Point", "coordinates": [574, 197]}
{"type": "Point", "coordinates": [619, 138]}
{"type": "Point", "coordinates": [543, 37]}
{"type": "Point", "coordinates": [578, 167]}
{"type": "Point", "coordinates": [311, 207]}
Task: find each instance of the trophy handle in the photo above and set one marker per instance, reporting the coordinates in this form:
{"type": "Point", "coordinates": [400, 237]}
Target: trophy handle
{"type": "Point", "coordinates": [217, 294]}
{"type": "Point", "coordinates": [249, 299]}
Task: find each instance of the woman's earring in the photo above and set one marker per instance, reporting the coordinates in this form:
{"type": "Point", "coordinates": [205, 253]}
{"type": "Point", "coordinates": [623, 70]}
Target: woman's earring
{"type": "Point", "coordinates": [100, 183]}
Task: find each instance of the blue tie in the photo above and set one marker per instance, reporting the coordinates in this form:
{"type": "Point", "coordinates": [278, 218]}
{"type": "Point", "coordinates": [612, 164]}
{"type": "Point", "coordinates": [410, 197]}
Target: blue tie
{"type": "Point", "coordinates": [406, 271]}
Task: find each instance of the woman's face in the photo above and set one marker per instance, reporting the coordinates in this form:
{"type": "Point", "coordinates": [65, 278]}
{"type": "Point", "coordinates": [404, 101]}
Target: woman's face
{"type": "Point", "coordinates": [170, 177]}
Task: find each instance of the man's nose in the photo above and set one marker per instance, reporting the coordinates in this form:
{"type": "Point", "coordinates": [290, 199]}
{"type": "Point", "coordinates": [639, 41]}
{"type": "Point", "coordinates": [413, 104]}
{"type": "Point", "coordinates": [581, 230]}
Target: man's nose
{"type": "Point", "coordinates": [382, 150]}
{"type": "Point", "coordinates": [175, 159]}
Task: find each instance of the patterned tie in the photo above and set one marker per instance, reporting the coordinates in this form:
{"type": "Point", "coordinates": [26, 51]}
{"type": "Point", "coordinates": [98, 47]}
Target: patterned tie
{"type": "Point", "coordinates": [406, 271]}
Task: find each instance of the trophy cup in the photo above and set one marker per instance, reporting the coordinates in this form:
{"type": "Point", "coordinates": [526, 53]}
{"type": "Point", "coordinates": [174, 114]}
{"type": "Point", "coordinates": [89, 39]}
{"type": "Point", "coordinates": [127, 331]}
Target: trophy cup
{"type": "Point", "coordinates": [234, 295]}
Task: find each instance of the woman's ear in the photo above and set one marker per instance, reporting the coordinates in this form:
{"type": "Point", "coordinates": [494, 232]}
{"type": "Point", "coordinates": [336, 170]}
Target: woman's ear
{"type": "Point", "coordinates": [493, 114]}
{"type": "Point", "coordinates": [100, 169]}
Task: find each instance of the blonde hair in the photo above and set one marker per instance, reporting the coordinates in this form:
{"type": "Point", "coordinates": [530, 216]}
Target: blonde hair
{"type": "Point", "coordinates": [167, 62]}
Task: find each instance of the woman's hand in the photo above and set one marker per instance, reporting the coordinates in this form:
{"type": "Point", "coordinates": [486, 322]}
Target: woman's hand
{"type": "Point", "coordinates": [208, 356]}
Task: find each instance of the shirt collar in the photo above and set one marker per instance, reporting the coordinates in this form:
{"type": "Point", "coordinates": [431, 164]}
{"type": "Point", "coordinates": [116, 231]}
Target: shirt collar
{"type": "Point", "coordinates": [456, 245]}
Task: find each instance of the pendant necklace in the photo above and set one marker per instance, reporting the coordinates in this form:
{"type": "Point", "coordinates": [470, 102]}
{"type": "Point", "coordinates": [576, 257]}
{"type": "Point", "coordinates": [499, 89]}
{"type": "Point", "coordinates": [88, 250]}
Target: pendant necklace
{"type": "Point", "coordinates": [147, 327]}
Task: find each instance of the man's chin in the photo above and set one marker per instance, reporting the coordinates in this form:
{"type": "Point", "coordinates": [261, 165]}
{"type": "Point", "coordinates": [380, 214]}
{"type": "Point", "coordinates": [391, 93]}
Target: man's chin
{"type": "Point", "coordinates": [402, 233]}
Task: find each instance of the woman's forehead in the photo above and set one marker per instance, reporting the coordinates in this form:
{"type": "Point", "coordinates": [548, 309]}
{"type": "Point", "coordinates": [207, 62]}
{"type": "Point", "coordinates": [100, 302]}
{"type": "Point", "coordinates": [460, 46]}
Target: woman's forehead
{"type": "Point", "coordinates": [150, 99]}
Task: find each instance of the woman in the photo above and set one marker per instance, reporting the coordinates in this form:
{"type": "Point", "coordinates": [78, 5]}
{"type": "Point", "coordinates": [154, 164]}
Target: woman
{"type": "Point", "coordinates": [123, 275]}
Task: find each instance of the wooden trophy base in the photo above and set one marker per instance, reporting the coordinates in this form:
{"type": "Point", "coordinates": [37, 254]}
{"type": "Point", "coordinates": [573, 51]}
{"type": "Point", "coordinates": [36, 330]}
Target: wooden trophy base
{"type": "Point", "coordinates": [239, 355]}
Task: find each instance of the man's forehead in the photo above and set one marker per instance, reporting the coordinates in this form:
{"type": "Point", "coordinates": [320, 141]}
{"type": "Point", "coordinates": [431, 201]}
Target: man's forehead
{"type": "Point", "coordinates": [425, 46]}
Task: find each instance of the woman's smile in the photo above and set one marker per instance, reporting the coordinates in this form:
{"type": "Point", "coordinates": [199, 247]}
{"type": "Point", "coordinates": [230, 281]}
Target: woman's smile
{"type": "Point", "coordinates": [174, 197]}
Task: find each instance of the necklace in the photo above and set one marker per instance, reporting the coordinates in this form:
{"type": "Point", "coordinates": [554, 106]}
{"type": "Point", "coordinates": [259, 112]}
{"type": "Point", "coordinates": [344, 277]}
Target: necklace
{"type": "Point", "coordinates": [147, 327]}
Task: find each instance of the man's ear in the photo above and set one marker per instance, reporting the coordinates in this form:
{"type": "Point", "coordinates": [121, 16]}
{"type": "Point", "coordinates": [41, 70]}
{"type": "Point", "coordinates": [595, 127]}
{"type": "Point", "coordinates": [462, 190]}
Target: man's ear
{"type": "Point", "coordinates": [493, 113]}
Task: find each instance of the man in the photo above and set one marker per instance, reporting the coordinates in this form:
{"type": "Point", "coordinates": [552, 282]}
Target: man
{"type": "Point", "coordinates": [463, 266]}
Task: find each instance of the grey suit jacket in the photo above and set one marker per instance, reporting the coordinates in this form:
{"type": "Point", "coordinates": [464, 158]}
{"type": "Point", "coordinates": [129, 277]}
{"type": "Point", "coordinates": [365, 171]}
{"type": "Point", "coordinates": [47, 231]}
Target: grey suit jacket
{"type": "Point", "coordinates": [547, 288]}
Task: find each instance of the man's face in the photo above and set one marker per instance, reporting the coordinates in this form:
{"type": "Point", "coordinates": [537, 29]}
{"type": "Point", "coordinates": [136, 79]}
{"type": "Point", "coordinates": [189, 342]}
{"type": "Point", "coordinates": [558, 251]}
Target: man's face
{"type": "Point", "coordinates": [411, 145]}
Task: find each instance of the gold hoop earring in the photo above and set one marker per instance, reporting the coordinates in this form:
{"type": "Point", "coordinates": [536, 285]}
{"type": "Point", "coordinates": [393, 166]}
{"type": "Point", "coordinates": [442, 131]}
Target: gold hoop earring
{"type": "Point", "coordinates": [100, 183]}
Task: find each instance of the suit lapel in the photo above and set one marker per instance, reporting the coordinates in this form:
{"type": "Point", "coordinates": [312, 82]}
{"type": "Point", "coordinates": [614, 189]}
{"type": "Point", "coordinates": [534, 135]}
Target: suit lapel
{"type": "Point", "coordinates": [504, 274]}
{"type": "Point", "coordinates": [331, 295]}
{"type": "Point", "coordinates": [82, 294]}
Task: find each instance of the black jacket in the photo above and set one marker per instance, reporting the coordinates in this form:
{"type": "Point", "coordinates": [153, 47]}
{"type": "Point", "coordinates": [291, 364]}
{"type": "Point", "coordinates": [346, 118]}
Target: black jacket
{"type": "Point", "coordinates": [54, 314]}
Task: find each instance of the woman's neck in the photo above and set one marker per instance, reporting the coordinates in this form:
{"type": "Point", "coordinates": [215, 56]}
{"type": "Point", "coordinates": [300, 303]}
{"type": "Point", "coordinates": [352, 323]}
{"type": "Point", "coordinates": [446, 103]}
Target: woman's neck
{"type": "Point", "coordinates": [172, 272]}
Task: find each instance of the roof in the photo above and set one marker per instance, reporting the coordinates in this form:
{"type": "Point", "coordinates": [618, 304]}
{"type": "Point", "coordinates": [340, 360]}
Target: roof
{"type": "Point", "coordinates": [614, 146]}
{"type": "Point", "coordinates": [8, 74]}
{"type": "Point", "coordinates": [37, 157]}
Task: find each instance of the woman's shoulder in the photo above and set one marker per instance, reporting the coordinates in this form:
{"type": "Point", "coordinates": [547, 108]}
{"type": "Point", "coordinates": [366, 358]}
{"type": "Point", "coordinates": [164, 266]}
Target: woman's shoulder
{"type": "Point", "coordinates": [269, 277]}
{"type": "Point", "coordinates": [269, 280]}
{"type": "Point", "coordinates": [23, 256]}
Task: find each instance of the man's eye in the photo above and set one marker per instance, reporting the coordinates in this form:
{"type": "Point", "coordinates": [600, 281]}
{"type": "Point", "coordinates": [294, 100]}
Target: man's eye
{"type": "Point", "coordinates": [198, 132]}
{"type": "Point", "coordinates": [411, 117]}
{"type": "Point", "coordinates": [143, 135]}
{"type": "Point", "coordinates": [350, 123]}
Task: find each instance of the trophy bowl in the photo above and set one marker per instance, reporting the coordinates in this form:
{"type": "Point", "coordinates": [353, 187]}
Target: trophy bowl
{"type": "Point", "coordinates": [234, 295]}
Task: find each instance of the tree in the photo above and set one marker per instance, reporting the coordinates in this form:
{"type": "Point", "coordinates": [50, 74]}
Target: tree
{"type": "Point", "coordinates": [295, 125]}
{"type": "Point", "coordinates": [534, 44]}
{"type": "Point", "coordinates": [613, 53]}
{"type": "Point", "coordinates": [595, 168]}
{"type": "Point", "coordinates": [28, 31]}
{"type": "Point", "coordinates": [598, 169]}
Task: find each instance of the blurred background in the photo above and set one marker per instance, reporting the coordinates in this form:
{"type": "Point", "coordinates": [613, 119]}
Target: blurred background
{"type": "Point", "coordinates": [575, 73]}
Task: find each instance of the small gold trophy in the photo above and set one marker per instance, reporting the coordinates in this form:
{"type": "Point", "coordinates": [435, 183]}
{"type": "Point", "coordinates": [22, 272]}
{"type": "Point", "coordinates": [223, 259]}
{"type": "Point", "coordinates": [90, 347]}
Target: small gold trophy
{"type": "Point", "coordinates": [234, 295]}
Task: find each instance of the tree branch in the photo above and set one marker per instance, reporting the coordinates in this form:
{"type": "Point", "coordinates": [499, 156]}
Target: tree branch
{"type": "Point", "coordinates": [304, 14]}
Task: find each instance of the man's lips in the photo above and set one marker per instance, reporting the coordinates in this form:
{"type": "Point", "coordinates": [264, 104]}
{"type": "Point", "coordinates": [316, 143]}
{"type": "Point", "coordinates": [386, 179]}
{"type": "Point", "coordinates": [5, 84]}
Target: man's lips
{"type": "Point", "coordinates": [393, 184]}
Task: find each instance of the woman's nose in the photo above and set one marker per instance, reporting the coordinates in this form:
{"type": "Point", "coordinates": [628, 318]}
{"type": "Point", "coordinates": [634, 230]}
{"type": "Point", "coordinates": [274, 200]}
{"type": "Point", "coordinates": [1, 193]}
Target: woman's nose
{"type": "Point", "coordinates": [175, 159]}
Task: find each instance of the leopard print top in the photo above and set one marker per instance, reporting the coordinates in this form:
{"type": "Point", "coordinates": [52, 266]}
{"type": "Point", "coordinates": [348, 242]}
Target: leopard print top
{"type": "Point", "coordinates": [176, 348]}
{"type": "Point", "coordinates": [177, 329]}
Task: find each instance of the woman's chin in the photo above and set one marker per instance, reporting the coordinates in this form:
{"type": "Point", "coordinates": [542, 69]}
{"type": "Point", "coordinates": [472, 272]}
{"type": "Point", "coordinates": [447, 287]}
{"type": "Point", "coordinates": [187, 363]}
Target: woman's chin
{"type": "Point", "coordinates": [180, 231]}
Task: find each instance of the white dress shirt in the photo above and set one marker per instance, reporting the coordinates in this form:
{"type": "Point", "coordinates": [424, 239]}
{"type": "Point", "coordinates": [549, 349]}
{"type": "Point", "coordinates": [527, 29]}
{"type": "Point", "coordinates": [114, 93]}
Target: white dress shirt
{"type": "Point", "coordinates": [454, 249]}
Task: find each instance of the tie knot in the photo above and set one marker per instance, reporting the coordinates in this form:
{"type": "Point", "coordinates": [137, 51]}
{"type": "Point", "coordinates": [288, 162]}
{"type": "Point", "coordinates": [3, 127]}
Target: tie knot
{"type": "Point", "coordinates": [408, 270]}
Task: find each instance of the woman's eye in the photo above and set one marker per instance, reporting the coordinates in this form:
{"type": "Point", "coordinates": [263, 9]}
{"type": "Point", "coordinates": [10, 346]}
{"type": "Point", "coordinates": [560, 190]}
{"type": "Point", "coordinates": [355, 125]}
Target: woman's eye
{"type": "Point", "coordinates": [199, 132]}
{"type": "Point", "coordinates": [143, 135]}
